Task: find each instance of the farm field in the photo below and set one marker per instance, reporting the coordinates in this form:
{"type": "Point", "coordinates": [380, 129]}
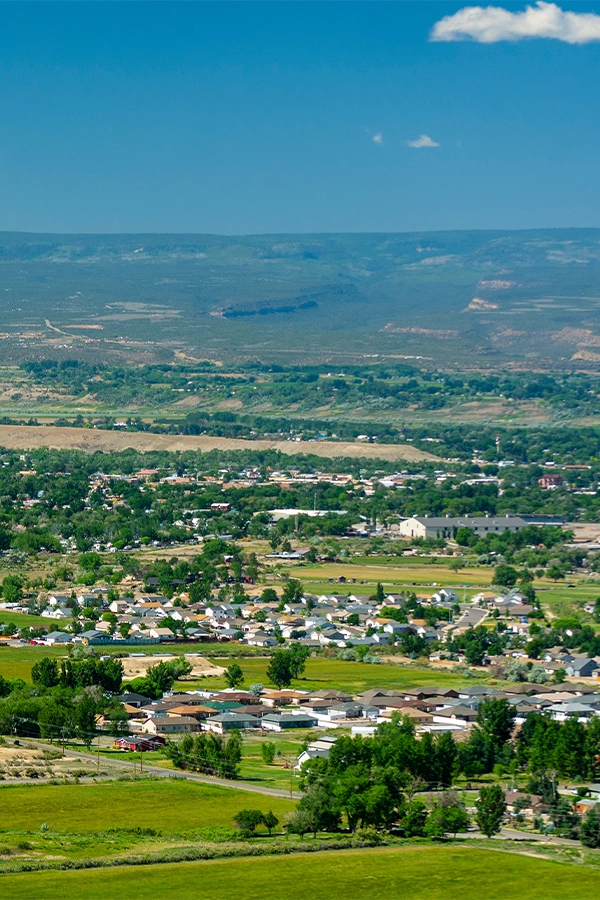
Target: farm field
{"type": "Point", "coordinates": [424, 873]}
{"type": "Point", "coordinates": [175, 806]}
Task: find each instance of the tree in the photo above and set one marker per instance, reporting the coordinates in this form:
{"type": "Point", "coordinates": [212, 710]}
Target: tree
{"type": "Point", "coordinates": [556, 571]}
{"type": "Point", "coordinates": [414, 818]}
{"type": "Point", "coordinates": [505, 576]}
{"type": "Point", "coordinates": [12, 589]}
{"type": "Point", "coordinates": [590, 828]}
{"type": "Point", "coordinates": [248, 820]}
{"type": "Point", "coordinates": [85, 719]}
{"type": "Point", "coordinates": [491, 808]}
{"type": "Point", "coordinates": [200, 592]}
{"type": "Point", "coordinates": [465, 537]}
{"type": "Point", "coordinates": [270, 821]}
{"type": "Point", "coordinates": [279, 670]}
{"type": "Point", "coordinates": [292, 592]}
{"type": "Point", "coordinates": [446, 820]}
{"type": "Point", "coordinates": [256, 688]}
{"type": "Point", "coordinates": [496, 718]}
{"type": "Point", "coordinates": [322, 807]}
{"type": "Point", "coordinates": [119, 720]}
{"type": "Point", "coordinates": [45, 672]}
{"type": "Point", "coordinates": [300, 821]}
{"type": "Point", "coordinates": [269, 595]}
{"type": "Point", "coordinates": [234, 675]}
{"type": "Point", "coordinates": [564, 818]}
{"type": "Point", "coordinates": [267, 751]}
{"type": "Point", "coordinates": [298, 657]}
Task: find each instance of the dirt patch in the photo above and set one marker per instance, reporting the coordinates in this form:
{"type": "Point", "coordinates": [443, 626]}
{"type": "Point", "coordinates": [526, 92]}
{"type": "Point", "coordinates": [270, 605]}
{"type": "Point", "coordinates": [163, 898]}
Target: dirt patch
{"type": "Point", "coordinates": [201, 667]}
{"type": "Point", "coordinates": [90, 440]}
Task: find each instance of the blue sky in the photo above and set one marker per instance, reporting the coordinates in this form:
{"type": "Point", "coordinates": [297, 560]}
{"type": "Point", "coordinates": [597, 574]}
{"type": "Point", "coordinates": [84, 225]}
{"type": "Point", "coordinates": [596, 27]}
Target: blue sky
{"type": "Point", "coordinates": [251, 117]}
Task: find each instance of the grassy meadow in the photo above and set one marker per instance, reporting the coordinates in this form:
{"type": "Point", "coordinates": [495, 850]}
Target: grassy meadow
{"type": "Point", "coordinates": [353, 677]}
{"type": "Point", "coordinates": [16, 662]}
{"type": "Point", "coordinates": [418, 873]}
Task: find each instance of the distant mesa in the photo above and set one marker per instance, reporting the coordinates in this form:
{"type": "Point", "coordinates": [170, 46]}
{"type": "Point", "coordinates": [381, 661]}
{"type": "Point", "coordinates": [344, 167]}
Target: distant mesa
{"type": "Point", "coordinates": [478, 304]}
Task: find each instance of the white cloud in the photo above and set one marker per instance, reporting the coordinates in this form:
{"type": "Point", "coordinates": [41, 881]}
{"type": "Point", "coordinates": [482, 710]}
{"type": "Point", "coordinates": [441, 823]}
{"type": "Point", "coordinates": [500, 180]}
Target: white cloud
{"type": "Point", "coordinates": [422, 141]}
{"type": "Point", "coordinates": [490, 24]}
{"type": "Point", "coordinates": [378, 138]}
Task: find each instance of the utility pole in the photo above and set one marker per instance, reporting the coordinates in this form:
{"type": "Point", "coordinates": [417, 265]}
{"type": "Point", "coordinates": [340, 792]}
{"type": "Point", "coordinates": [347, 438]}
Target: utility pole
{"type": "Point", "coordinates": [141, 760]}
{"type": "Point", "coordinates": [98, 756]}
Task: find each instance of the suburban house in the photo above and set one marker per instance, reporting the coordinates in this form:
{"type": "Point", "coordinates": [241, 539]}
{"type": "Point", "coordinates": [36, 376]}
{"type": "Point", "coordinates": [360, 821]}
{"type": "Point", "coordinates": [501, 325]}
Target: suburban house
{"type": "Point", "coordinates": [170, 725]}
{"type": "Point", "coordinates": [581, 667]}
{"type": "Point", "coordinates": [231, 721]}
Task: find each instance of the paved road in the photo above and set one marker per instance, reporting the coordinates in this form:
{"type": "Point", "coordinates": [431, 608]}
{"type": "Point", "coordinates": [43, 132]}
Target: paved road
{"type": "Point", "coordinates": [472, 617]}
{"type": "Point", "coordinates": [129, 761]}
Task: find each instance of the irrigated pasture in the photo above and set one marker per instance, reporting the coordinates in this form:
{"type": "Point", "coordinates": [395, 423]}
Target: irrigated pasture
{"type": "Point", "coordinates": [424, 873]}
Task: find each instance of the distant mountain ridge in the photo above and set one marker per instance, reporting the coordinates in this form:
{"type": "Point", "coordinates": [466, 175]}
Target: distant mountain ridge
{"type": "Point", "coordinates": [477, 295]}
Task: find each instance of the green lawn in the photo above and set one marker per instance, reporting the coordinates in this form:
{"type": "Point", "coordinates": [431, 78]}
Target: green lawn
{"type": "Point", "coordinates": [425, 873]}
{"type": "Point", "coordinates": [168, 806]}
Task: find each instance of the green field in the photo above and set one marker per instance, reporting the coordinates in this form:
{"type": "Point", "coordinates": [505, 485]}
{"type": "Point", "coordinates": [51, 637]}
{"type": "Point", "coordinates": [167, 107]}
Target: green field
{"type": "Point", "coordinates": [354, 677]}
{"type": "Point", "coordinates": [16, 662]}
{"type": "Point", "coordinates": [425, 873]}
{"type": "Point", "coordinates": [175, 806]}
{"type": "Point", "coordinates": [391, 573]}
{"type": "Point", "coordinates": [24, 620]}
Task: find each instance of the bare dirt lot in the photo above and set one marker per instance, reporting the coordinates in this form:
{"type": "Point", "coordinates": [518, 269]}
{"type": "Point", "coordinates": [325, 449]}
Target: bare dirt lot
{"type": "Point", "coordinates": [33, 762]}
{"type": "Point", "coordinates": [28, 437]}
{"type": "Point", "coordinates": [201, 668]}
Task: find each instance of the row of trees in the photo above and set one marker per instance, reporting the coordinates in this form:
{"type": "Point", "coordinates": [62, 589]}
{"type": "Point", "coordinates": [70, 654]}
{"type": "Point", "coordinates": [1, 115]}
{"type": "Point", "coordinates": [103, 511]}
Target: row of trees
{"type": "Point", "coordinates": [210, 753]}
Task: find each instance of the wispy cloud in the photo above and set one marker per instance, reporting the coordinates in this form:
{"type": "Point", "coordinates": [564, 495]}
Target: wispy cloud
{"type": "Point", "coordinates": [490, 24]}
{"type": "Point", "coordinates": [378, 138]}
{"type": "Point", "coordinates": [423, 141]}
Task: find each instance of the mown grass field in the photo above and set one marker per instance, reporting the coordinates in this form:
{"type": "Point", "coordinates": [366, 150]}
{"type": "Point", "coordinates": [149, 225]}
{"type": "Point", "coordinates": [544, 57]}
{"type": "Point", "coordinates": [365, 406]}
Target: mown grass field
{"type": "Point", "coordinates": [390, 573]}
{"type": "Point", "coordinates": [425, 873]}
{"type": "Point", "coordinates": [173, 807]}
